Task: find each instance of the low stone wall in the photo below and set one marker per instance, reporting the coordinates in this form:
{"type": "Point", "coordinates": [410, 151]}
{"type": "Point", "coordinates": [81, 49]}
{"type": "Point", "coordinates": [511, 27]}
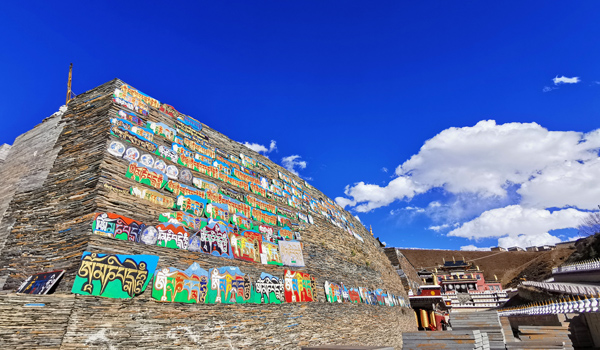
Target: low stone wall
{"type": "Point", "coordinates": [25, 325]}
{"type": "Point", "coordinates": [75, 322]}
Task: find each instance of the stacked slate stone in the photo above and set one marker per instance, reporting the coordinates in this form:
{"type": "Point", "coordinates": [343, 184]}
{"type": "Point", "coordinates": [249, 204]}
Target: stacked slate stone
{"type": "Point", "coordinates": [542, 337]}
{"type": "Point", "coordinates": [49, 226]}
{"type": "Point", "coordinates": [456, 340]}
{"type": "Point", "coordinates": [485, 321]}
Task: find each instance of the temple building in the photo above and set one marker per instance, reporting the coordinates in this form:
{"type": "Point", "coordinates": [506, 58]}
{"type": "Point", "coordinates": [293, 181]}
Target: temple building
{"type": "Point", "coordinates": [456, 285]}
{"type": "Point", "coordinates": [431, 307]}
{"type": "Point", "coordinates": [465, 285]}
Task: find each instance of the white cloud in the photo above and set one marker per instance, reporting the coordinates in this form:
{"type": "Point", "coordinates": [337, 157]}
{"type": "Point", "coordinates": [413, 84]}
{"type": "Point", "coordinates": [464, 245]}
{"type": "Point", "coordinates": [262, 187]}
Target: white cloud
{"type": "Point", "coordinates": [343, 202]}
{"type": "Point", "coordinates": [415, 209]}
{"type": "Point", "coordinates": [438, 228]}
{"type": "Point", "coordinates": [384, 169]}
{"type": "Point", "coordinates": [258, 148]}
{"type": "Point", "coordinates": [471, 247]}
{"type": "Point", "coordinates": [525, 241]}
{"type": "Point", "coordinates": [549, 88]}
{"type": "Point", "coordinates": [483, 160]}
{"type": "Point", "coordinates": [357, 218]}
{"type": "Point", "coordinates": [375, 196]}
{"type": "Point", "coordinates": [570, 183]}
{"type": "Point", "coordinates": [293, 162]}
{"type": "Point", "coordinates": [515, 225]}
{"type": "Point", "coordinates": [564, 80]}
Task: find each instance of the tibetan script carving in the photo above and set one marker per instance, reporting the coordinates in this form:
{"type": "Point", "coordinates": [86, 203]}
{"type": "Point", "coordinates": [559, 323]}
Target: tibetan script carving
{"type": "Point", "coordinates": [172, 235]}
{"type": "Point", "coordinates": [152, 196]}
{"type": "Point", "coordinates": [271, 250]}
{"type": "Point", "coordinates": [114, 276]}
{"type": "Point", "coordinates": [299, 287]}
{"type": "Point", "coordinates": [174, 285]}
{"type": "Point", "coordinates": [229, 285]}
{"type": "Point", "coordinates": [291, 253]}
{"type": "Point", "coordinates": [246, 246]}
{"type": "Point", "coordinates": [270, 289]}
{"type": "Point", "coordinates": [117, 226]}
{"type": "Point", "coordinates": [214, 239]}
{"type": "Point", "coordinates": [146, 176]}
{"type": "Point", "coordinates": [188, 220]}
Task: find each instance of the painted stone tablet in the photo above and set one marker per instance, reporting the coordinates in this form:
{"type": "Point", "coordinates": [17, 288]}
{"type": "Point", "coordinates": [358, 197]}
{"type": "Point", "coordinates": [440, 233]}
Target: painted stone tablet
{"type": "Point", "coordinates": [270, 289]}
{"type": "Point", "coordinates": [291, 253]}
{"type": "Point", "coordinates": [40, 283]}
{"type": "Point", "coordinates": [114, 275]}
{"type": "Point", "coordinates": [246, 246]}
{"type": "Point", "coordinates": [186, 176]}
{"type": "Point", "coordinates": [147, 160]}
{"type": "Point", "coordinates": [172, 235]}
{"type": "Point", "coordinates": [172, 172]}
{"type": "Point", "coordinates": [131, 154]}
{"type": "Point", "coordinates": [174, 285]}
{"type": "Point", "coordinates": [117, 226]}
{"type": "Point", "coordinates": [228, 285]}
{"type": "Point", "coordinates": [160, 164]}
{"type": "Point", "coordinates": [299, 287]}
{"type": "Point", "coordinates": [116, 148]}
{"type": "Point", "coordinates": [214, 239]}
{"type": "Point", "coordinates": [149, 235]}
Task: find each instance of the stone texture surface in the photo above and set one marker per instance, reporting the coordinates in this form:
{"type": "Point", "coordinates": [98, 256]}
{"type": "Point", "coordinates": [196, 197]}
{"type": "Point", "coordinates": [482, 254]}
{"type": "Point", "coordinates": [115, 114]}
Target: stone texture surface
{"type": "Point", "coordinates": [4, 149]}
{"type": "Point", "coordinates": [51, 227]}
{"type": "Point", "coordinates": [404, 268]}
{"type": "Point", "coordinates": [25, 165]}
{"type": "Point", "coordinates": [74, 322]}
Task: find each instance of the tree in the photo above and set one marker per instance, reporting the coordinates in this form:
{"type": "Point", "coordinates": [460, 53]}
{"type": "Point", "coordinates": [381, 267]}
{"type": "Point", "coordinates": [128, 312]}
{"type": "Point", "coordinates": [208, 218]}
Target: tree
{"type": "Point", "coordinates": [590, 225]}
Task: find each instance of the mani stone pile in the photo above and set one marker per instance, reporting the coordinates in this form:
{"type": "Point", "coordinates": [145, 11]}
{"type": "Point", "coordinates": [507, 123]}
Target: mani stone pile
{"type": "Point", "coordinates": [60, 174]}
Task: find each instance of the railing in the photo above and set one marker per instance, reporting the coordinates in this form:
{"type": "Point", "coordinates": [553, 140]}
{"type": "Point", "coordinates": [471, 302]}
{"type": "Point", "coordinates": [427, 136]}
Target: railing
{"type": "Point", "coordinates": [553, 307]}
{"type": "Point", "coordinates": [588, 265]}
{"type": "Point", "coordinates": [565, 288]}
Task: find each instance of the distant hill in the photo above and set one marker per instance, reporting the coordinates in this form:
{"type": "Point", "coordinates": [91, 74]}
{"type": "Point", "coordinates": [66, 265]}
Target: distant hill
{"type": "Point", "coordinates": [508, 266]}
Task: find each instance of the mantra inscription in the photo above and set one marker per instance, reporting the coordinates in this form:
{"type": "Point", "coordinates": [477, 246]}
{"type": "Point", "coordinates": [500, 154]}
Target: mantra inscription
{"type": "Point", "coordinates": [114, 276]}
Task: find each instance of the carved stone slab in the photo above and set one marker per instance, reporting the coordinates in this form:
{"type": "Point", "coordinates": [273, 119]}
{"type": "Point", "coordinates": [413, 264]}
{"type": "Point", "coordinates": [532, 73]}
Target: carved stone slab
{"type": "Point", "coordinates": [299, 287]}
{"type": "Point", "coordinates": [40, 283]}
{"type": "Point", "coordinates": [172, 235]}
{"type": "Point", "coordinates": [117, 226]}
{"type": "Point", "coordinates": [291, 253]}
{"type": "Point", "coordinates": [174, 285]}
{"type": "Point", "coordinates": [228, 285]}
{"type": "Point", "coordinates": [114, 275]}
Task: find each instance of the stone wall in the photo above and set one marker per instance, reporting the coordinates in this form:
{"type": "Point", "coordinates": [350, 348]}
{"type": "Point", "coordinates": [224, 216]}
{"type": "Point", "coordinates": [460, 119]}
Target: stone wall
{"type": "Point", "coordinates": [52, 227]}
{"type": "Point", "coordinates": [43, 224]}
{"type": "Point", "coordinates": [406, 270]}
{"type": "Point", "coordinates": [75, 322]}
{"type": "Point", "coordinates": [4, 149]}
{"type": "Point", "coordinates": [25, 165]}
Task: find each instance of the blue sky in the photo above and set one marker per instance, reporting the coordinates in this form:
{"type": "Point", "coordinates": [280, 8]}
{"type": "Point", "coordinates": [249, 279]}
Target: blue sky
{"type": "Point", "coordinates": [355, 90]}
